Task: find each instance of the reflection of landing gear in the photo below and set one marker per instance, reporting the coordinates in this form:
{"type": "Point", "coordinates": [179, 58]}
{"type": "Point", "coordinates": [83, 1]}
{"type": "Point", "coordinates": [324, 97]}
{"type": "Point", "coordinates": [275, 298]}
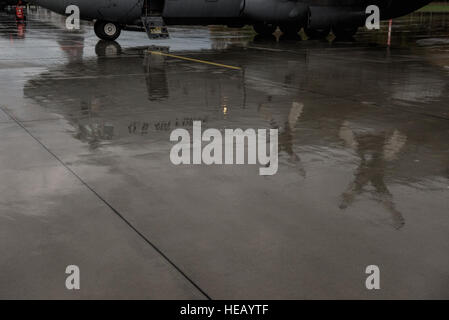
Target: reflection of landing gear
{"type": "Point", "coordinates": [108, 49]}
{"type": "Point", "coordinates": [345, 33]}
{"type": "Point", "coordinates": [264, 29]}
{"type": "Point", "coordinates": [107, 31]}
{"type": "Point", "coordinates": [317, 33]}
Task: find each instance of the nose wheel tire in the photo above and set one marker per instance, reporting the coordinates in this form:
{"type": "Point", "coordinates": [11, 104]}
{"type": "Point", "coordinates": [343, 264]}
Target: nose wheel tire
{"type": "Point", "coordinates": [107, 31]}
{"type": "Point", "coordinates": [264, 29]}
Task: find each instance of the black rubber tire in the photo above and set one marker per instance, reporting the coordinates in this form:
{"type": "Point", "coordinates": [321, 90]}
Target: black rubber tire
{"type": "Point", "coordinates": [264, 29]}
{"type": "Point", "coordinates": [345, 32]}
{"type": "Point", "coordinates": [290, 29]}
{"type": "Point", "coordinates": [107, 31]}
{"type": "Point", "coordinates": [317, 33]}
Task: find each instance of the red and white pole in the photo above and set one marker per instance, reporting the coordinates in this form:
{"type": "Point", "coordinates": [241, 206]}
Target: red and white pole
{"type": "Point", "coordinates": [390, 26]}
{"type": "Point", "coordinates": [19, 11]}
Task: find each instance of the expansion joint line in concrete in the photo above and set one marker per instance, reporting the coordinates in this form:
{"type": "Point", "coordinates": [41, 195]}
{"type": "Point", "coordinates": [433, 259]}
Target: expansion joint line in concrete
{"type": "Point", "coordinates": [129, 224]}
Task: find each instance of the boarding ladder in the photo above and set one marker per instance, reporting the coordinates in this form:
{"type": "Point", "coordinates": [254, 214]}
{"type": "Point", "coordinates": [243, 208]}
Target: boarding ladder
{"type": "Point", "coordinates": [152, 20]}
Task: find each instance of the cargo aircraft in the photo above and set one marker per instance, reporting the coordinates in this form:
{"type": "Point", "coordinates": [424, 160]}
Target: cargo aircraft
{"type": "Point", "coordinates": [317, 17]}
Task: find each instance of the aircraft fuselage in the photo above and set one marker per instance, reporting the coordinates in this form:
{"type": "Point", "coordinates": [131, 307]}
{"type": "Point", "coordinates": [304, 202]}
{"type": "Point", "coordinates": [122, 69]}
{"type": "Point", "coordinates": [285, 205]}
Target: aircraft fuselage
{"type": "Point", "coordinates": [304, 13]}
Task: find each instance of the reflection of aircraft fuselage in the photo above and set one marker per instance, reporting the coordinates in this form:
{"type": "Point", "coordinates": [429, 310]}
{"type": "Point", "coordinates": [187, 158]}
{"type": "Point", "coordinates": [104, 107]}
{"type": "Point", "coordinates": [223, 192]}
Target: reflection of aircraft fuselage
{"type": "Point", "coordinates": [316, 16]}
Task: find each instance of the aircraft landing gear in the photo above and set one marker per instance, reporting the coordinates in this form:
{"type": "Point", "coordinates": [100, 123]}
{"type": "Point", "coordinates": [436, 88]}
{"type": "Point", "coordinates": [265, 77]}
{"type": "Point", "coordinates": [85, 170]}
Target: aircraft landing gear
{"type": "Point", "coordinates": [264, 29]}
{"type": "Point", "coordinates": [317, 33]}
{"type": "Point", "coordinates": [108, 31]}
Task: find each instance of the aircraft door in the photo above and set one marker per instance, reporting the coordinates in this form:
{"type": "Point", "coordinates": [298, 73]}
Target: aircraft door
{"type": "Point", "coordinates": [203, 8]}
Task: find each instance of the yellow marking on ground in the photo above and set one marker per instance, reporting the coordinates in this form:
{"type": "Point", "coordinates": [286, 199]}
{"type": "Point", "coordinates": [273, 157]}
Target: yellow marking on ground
{"type": "Point", "coordinates": [195, 60]}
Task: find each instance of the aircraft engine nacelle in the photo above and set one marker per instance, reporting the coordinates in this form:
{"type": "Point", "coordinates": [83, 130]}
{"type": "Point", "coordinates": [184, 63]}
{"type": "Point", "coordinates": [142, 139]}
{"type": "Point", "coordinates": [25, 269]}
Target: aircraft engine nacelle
{"type": "Point", "coordinates": [272, 11]}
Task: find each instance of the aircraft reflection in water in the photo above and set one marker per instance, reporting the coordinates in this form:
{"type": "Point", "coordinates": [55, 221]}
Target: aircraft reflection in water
{"type": "Point", "coordinates": [382, 150]}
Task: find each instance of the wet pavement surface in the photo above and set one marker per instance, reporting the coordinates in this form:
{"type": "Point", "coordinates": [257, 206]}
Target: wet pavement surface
{"type": "Point", "coordinates": [86, 177]}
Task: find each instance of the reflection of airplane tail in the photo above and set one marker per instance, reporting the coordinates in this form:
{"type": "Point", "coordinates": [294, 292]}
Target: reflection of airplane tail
{"type": "Point", "coordinates": [374, 152]}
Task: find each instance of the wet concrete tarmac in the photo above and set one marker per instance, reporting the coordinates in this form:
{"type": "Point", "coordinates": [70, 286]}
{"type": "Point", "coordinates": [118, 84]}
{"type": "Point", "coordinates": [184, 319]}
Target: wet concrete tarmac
{"type": "Point", "coordinates": [86, 177]}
